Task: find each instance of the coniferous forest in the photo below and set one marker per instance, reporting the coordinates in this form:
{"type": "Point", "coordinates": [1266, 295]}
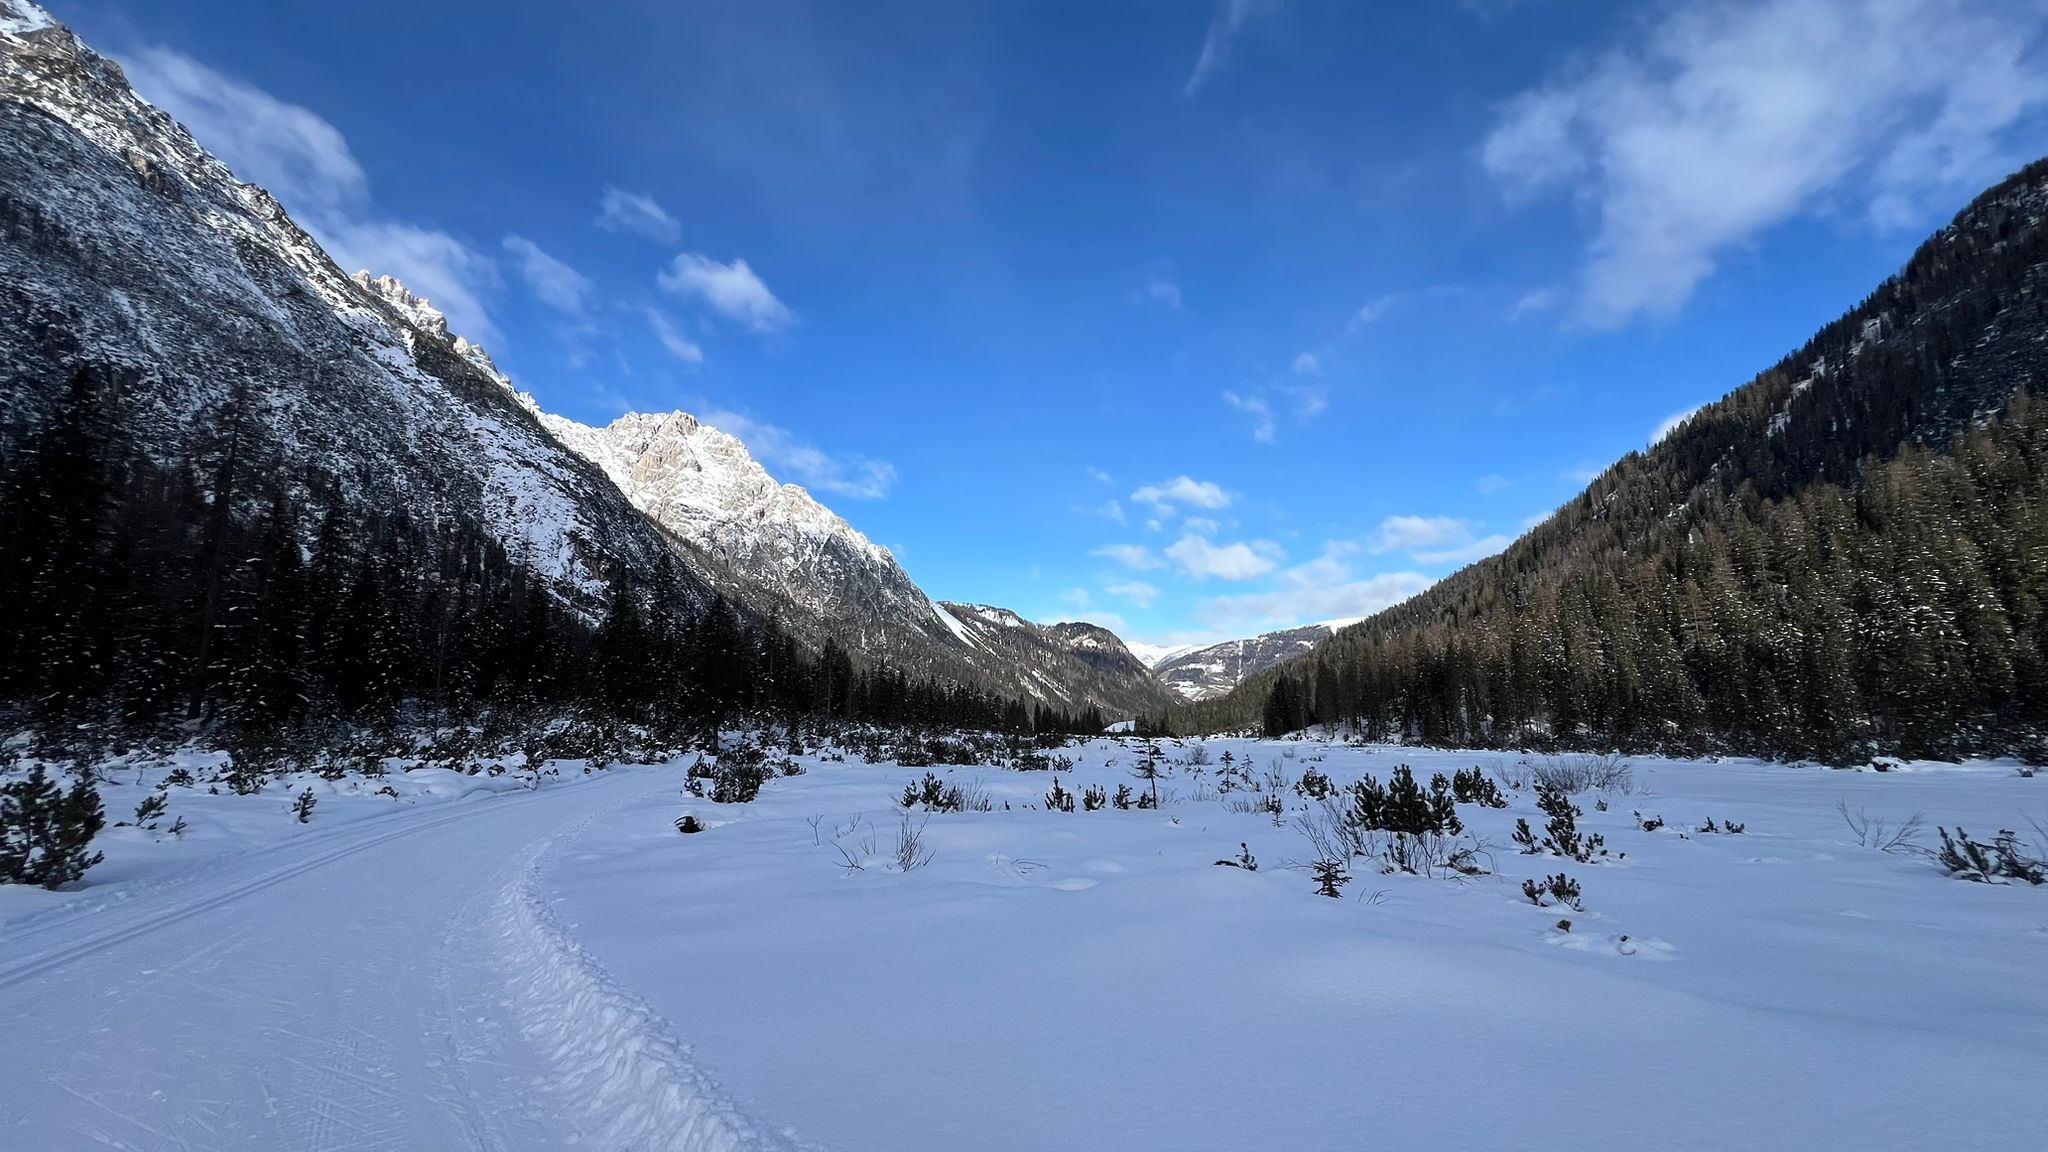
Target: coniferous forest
{"type": "Point", "coordinates": [1845, 557]}
{"type": "Point", "coordinates": [184, 601]}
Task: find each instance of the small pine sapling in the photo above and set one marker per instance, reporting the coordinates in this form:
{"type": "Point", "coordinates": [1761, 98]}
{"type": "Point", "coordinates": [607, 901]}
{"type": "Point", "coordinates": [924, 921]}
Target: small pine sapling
{"type": "Point", "coordinates": [1094, 797]}
{"type": "Point", "coordinates": [303, 806]}
{"type": "Point", "coordinates": [150, 810]}
{"type": "Point", "coordinates": [1330, 876]}
{"type": "Point", "coordinates": [1122, 799]}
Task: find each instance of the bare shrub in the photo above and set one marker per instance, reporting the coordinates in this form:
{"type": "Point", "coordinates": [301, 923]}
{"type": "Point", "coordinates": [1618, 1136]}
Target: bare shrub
{"type": "Point", "coordinates": [1584, 772]}
{"type": "Point", "coordinates": [911, 853]}
{"type": "Point", "coordinates": [1902, 838]}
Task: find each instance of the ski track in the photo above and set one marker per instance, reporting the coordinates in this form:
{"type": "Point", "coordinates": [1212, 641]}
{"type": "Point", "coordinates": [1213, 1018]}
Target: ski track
{"type": "Point", "coordinates": [383, 988]}
{"type": "Point", "coordinates": [638, 1086]}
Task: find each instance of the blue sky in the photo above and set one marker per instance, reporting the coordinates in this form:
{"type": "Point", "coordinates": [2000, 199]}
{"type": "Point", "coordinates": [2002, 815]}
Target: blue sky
{"type": "Point", "coordinates": [1197, 319]}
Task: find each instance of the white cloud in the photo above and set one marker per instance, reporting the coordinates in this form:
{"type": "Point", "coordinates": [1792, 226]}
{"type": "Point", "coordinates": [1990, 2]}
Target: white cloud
{"type": "Point", "coordinates": [1133, 556]}
{"type": "Point", "coordinates": [1434, 540]}
{"type": "Point", "coordinates": [1111, 510]}
{"type": "Point", "coordinates": [1259, 410]}
{"type": "Point", "coordinates": [1673, 422]}
{"type": "Point", "coordinates": [1182, 491]}
{"type": "Point", "coordinates": [1163, 290]}
{"type": "Point", "coordinates": [1230, 19]}
{"type": "Point", "coordinates": [1581, 473]}
{"type": "Point", "coordinates": [732, 290]}
{"type": "Point", "coordinates": [1200, 524]}
{"type": "Point", "coordinates": [857, 477]}
{"type": "Point", "coordinates": [1199, 557]}
{"type": "Point", "coordinates": [1491, 484]}
{"type": "Point", "coordinates": [678, 345]}
{"type": "Point", "coordinates": [1100, 476]}
{"type": "Point", "coordinates": [306, 163]}
{"type": "Point", "coordinates": [1325, 588]}
{"type": "Point", "coordinates": [621, 211]}
{"type": "Point", "coordinates": [1306, 364]}
{"type": "Point", "coordinates": [1136, 591]}
{"type": "Point", "coordinates": [552, 282]}
{"type": "Point", "coordinates": [1405, 533]}
{"type": "Point", "coordinates": [1727, 119]}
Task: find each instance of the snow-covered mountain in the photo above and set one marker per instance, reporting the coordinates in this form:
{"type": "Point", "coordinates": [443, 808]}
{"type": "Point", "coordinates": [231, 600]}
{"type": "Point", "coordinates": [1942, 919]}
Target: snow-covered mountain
{"type": "Point", "coordinates": [132, 256]}
{"type": "Point", "coordinates": [1070, 661]}
{"type": "Point", "coordinates": [1204, 673]}
{"type": "Point", "coordinates": [768, 545]}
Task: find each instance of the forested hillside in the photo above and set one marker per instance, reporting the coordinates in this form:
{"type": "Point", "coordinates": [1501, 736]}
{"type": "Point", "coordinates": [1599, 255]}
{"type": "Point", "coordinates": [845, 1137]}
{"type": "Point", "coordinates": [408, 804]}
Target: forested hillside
{"type": "Point", "coordinates": [1847, 555]}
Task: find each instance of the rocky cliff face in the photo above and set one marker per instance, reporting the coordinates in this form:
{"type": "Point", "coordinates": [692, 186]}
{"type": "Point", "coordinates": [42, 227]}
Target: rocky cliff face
{"type": "Point", "coordinates": [768, 545]}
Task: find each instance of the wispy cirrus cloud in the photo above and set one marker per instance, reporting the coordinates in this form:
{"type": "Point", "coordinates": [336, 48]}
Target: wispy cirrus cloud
{"type": "Point", "coordinates": [1230, 19]}
{"type": "Point", "coordinates": [551, 281]}
{"type": "Point", "coordinates": [1725, 119]}
{"type": "Point", "coordinates": [621, 211]}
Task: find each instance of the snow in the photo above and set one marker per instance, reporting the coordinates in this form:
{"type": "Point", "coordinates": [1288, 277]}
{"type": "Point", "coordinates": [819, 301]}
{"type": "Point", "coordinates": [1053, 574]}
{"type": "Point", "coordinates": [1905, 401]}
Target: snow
{"type": "Point", "coordinates": [556, 966]}
{"type": "Point", "coordinates": [19, 18]}
{"type": "Point", "coordinates": [1153, 655]}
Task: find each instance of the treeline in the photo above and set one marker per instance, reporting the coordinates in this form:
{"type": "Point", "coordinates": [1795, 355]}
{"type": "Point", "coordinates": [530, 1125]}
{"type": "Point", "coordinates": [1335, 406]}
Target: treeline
{"type": "Point", "coordinates": [1902, 614]}
{"type": "Point", "coordinates": [235, 599]}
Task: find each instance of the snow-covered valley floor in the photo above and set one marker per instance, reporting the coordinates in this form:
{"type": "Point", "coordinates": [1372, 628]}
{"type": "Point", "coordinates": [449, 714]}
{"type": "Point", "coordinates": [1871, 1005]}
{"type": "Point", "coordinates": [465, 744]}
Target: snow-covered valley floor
{"type": "Point", "coordinates": [561, 968]}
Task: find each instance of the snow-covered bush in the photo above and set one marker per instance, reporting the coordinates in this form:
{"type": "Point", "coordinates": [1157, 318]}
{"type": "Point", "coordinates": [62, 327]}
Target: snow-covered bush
{"type": "Point", "coordinates": [303, 806]}
{"type": "Point", "coordinates": [1314, 785]}
{"type": "Point", "coordinates": [46, 832]}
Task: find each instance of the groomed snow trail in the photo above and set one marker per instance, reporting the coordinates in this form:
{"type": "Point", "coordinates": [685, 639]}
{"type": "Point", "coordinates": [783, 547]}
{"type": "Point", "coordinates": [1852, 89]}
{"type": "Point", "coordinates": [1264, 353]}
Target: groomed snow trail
{"type": "Point", "coordinates": [398, 986]}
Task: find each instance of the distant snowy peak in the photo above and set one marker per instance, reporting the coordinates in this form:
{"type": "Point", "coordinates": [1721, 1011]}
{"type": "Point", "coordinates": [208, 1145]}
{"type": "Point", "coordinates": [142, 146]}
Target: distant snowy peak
{"type": "Point", "coordinates": [1206, 673]}
{"type": "Point", "coordinates": [1153, 655]}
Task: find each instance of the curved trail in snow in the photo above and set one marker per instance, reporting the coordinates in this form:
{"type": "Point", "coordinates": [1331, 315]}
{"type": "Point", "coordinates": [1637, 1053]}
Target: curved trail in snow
{"type": "Point", "coordinates": [399, 985]}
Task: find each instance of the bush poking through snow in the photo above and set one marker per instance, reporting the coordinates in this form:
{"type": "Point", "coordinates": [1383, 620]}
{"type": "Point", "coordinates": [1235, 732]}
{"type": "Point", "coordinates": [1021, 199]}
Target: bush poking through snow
{"type": "Point", "coordinates": [1902, 838]}
{"type": "Point", "coordinates": [1059, 799]}
{"type": "Point", "coordinates": [1584, 772]}
{"type": "Point", "coordinates": [1122, 799]}
{"type": "Point", "coordinates": [46, 833]}
{"type": "Point", "coordinates": [151, 810]}
{"type": "Point", "coordinates": [303, 806]}
{"type": "Point", "coordinates": [1094, 798]}
{"type": "Point", "coordinates": [1471, 786]}
{"type": "Point", "coordinates": [2005, 858]}
{"type": "Point", "coordinates": [1245, 859]}
{"type": "Point", "coordinates": [1559, 889]}
{"type": "Point", "coordinates": [688, 824]}
{"type": "Point", "coordinates": [1313, 785]}
{"type": "Point", "coordinates": [911, 853]}
{"type": "Point", "coordinates": [935, 794]}
{"type": "Point", "coordinates": [177, 778]}
{"type": "Point", "coordinates": [1561, 833]}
